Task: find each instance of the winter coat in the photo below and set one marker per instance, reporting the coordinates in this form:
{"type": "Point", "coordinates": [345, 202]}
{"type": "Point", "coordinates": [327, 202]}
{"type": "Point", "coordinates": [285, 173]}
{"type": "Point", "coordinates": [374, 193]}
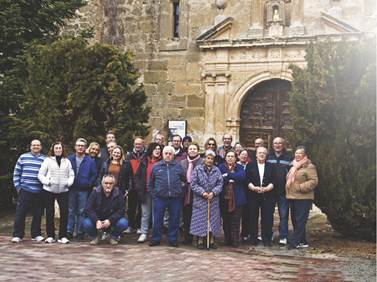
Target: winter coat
{"type": "Point", "coordinates": [166, 180]}
{"type": "Point", "coordinates": [239, 177]}
{"type": "Point", "coordinates": [280, 168]}
{"type": "Point", "coordinates": [56, 179]}
{"type": "Point", "coordinates": [123, 178]}
{"type": "Point", "coordinates": [86, 177]}
{"type": "Point", "coordinates": [141, 179]}
{"type": "Point", "coordinates": [306, 180]}
{"type": "Point", "coordinates": [114, 210]}
{"type": "Point", "coordinates": [201, 182]}
{"type": "Point", "coordinates": [252, 176]}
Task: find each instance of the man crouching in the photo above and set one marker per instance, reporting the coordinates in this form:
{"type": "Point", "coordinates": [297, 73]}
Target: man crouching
{"type": "Point", "coordinates": [104, 212]}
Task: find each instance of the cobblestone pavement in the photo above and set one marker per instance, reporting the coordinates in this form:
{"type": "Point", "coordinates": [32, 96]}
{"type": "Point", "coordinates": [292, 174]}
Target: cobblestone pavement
{"type": "Point", "coordinates": [78, 261]}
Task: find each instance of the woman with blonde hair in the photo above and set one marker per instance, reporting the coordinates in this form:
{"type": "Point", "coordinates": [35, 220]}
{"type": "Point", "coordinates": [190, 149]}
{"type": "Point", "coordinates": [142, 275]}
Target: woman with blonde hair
{"type": "Point", "coordinates": [118, 167]}
{"type": "Point", "coordinates": [94, 151]}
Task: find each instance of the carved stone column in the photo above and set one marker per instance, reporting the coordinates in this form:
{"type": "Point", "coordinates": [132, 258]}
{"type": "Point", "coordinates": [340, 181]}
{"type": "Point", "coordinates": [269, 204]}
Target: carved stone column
{"type": "Point", "coordinates": [256, 28]}
{"type": "Point", "coordinates": [297, 16]}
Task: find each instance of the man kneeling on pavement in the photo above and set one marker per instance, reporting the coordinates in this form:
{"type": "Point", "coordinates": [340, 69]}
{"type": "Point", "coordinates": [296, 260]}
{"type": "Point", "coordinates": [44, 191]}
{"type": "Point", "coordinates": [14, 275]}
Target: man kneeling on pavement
{"type": "Point", "coordinates": [104, 212]}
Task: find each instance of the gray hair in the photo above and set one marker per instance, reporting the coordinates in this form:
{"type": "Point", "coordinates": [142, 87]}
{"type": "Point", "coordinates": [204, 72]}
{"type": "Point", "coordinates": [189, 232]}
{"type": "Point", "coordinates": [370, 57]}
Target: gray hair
{"type": "Point", "coordinates": [108, 176]}
{"type": "Point", "coordinates": [169, 149]}
{"type": "Point", "coordinates": [209, 152]}
{"type": "Point", "coordinates": [82, 140]}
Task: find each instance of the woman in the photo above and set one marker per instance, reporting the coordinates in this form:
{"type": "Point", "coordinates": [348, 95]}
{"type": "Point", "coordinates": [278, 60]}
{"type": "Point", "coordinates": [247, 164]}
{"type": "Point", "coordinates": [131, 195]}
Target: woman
{"type": "Point", "coordinates": [243, 160]}
{"type": "Point", "coordinates": [237, 149]}
{"type": "Point", "coordinates": [211, 144]}
{"type": "Point", "coordinates": [56, 175]}
{"type": "Point", "coordinates": [301, 180]}
{"type": "Point", "coordinates": [143, 172]}
{"type": "Point", "coordinates": [206, 185]}
{"type": "Point", "coordinates": [260, 197]}
{"type": "Point", "coordinates": [232, 198]}
{"type": "Point", "coordinates": [94, 152]}
{"type": "Point", "coordinates": [118, 167]}
{"type": "Point", "coordinates": [193, 159]}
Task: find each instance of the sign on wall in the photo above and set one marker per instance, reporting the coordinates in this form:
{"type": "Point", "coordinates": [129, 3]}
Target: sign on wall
{"type": "Point", "coordinates": [177, 127]}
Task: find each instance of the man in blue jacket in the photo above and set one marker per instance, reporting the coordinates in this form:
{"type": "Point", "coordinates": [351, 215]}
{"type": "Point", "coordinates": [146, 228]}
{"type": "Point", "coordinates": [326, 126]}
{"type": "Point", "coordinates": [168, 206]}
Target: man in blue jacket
{"type": "Point", "coordinates": [85, 177]}
{"type": "Point", "coordinates": [166, 186]}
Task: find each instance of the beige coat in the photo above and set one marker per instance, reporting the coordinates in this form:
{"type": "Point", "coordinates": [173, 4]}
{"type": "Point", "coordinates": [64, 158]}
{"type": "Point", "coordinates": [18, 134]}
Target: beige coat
{"type": "Point", "coordinates": [305, 181]}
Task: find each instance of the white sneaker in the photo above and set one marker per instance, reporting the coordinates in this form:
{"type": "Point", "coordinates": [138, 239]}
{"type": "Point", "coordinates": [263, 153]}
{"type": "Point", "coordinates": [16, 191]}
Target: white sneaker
{"type": "Point", "coordinates": [129, 230]}
{"type": "Point", "coordinates": [38, 238]}
{"type": "Point", "coordinates": [50, 240]}
{"type": "Point", "coordinates": [63, 240]}
{"type": "Point", "coordinates": [260, 238]}
{"type": "Point", "coordinates": [303, 246]}
{"type": "Point", "coordinates": [16, 240]}
{"type": "Point", "coordinates": [138, 231]}
{"type": "Point", "coordinates": [283, 242]}
{"type": "Point", "coordinates": [142, 238]}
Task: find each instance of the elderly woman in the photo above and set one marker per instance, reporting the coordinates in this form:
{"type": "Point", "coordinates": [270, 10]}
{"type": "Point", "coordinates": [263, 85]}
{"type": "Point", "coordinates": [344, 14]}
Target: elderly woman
{"type": "Point", "coordinates": [206, 184]}
{"type": "Point", "coordinates": [232, 198]}
{"type": "Point", "coordinates": [153, 155]}
{"type": "Point", "coordinates": [260, 197]}
{"type": "Point", "coordinates": [301, 180]}
{"type": "Point", "coordinates": [193, 159]}
{"type": "Point", "coordinates": [118, 167]}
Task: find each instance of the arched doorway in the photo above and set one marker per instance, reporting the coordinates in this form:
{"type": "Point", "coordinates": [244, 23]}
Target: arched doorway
{"type": "Point", "coordinates": [265, 112]}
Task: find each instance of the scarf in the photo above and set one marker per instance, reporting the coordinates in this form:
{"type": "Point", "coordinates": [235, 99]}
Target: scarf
{"type": "Point", "coordinates": [190, 168]}
{"type": "Point", "coordinates": [229, 191]}
{"type": "Point", "coordinates": [293, 171]}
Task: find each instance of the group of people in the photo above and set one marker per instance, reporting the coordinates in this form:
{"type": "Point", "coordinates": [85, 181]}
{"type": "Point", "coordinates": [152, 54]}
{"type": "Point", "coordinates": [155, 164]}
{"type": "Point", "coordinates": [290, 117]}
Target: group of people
{"type": "Point", "coordinates": [171, 186]}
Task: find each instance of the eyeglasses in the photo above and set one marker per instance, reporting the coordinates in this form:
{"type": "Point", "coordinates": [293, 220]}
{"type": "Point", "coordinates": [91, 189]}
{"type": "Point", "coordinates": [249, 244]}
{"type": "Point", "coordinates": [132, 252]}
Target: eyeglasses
{"type": "Point", "coordinates": [168, 153]}
{"type": "Point", "coordinates": [212, 144]}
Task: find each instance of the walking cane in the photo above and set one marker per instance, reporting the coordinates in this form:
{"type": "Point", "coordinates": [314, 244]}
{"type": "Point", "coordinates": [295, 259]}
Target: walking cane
{"type": "Point", "coordinates": [208, 221]}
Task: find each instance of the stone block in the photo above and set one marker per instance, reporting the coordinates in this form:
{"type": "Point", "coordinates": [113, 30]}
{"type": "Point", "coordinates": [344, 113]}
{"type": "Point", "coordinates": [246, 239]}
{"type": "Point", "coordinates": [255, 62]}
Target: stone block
{"type": "Point", "coordinates": [192, 113]}
{"type": "Point", "coordinates": [195, 101]}
{"type": "Point", "coordinates": [158, 65]}
{"type": "Point", "coordinates": [155, 76]}
{"type": "Point", "coordinates": [177, 101]}
{"type": "Point", "coordinates": [177, 74]}
{"type": "Point", "coordinates": [165, 89]}
{"type": "Point", "coordinates": [192, 72]}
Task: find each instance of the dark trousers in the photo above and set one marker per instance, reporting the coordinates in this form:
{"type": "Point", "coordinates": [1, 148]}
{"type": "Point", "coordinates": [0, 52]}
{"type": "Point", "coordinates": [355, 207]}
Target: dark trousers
{"type": "Point", "coordinates": [174, 206]}
{"type": "Point", "coordinates": [187, 214]}
{"type": "Point", "coordinates": [134, 209]}
{"type": "Point", "coordinates": [245, 223]}
{"type": "Point", "coordinates": [25, 201]}
{"type": "Point", "coordinates": [266, 206]}
{"type": "Point", "coordinates": [231, 223]}
{"type": "Point", "coordinates": [49, 200]}
{"type": "Point", "coordinates": [300, 213]}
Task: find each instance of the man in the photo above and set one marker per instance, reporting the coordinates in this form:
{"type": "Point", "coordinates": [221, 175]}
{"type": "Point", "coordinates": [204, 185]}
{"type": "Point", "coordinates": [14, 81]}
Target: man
{"type": "Point", "coordinates": [227, 144]}
{"type": "Point", "coordinates": [110, 137]}
{"type": "Point", "coordinates": [259, 142]}
{"type": "Point", "coordinates": [104, 211]}
{"type": "Point", "coordinates": [134, 206]}
{"type": "Point", "coordinates": [280, 161]}
{"type": "Point", "coordinates": [85, 178]}
{"type": "Point", "coordinates": [29, 190]}
{"type": "Point", "coordinates": [166, 186]}
{"type": "Point", "coordinates": [179, 153]}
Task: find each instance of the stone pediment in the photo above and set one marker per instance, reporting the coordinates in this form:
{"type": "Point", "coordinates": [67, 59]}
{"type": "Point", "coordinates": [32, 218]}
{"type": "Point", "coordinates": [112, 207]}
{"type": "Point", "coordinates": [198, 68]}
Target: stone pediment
{"type": "Point", "coordinates": [335, 25]}
{"type": "Point", "coordinates": [219, 31]}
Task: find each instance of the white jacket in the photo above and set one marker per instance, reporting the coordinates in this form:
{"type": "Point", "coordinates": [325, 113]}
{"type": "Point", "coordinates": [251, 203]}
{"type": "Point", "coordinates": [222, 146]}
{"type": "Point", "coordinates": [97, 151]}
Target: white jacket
{"type": "Point", "coordinates": [56, 179]}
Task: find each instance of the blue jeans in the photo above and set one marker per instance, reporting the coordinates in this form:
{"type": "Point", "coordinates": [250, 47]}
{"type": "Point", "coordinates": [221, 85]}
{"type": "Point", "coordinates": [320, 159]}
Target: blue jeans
{"type": "Point", "coordinates": [146, 210]}
{"type": "Point", "coordinates": [115, 230]}
{"type": "Point", "coordinates": [300, 213]}
{"type": "Point", "coordinates": [174, 206]}
{"type": "Point", "coordinates": [283, 207]}
{"type": "Point", "coordinates": [76, 206]}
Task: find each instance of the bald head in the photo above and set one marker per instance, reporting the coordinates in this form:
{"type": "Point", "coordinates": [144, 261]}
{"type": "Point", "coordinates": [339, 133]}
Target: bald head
{"type": "Point", "coordinates": [278, 145]}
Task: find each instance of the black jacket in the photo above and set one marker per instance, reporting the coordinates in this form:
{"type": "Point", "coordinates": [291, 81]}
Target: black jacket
{"type": "Point", "coordinates": [252, 176]}
{"type": "Point", "coordinates": [113, 211]}
{"type": "Point", "coordinates": [280, 168]}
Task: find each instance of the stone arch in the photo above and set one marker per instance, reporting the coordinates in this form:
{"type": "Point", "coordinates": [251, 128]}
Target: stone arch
{"type": "Point", "coordinates": [237, 99]}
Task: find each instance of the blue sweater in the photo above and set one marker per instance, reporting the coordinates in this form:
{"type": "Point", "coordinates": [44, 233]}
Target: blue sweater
{"type": "Point", "coordinates": [167, 180]}
{"type": "Point", "coordinates": [86, 176]}
{"type": "Point", "coordinates": [238, 176]}
{"type": "Point", "coordinates": [25, 175]}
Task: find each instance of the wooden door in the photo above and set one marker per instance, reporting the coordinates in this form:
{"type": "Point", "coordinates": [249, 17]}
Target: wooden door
{"type": "Point", "coordinates": [265, 112]}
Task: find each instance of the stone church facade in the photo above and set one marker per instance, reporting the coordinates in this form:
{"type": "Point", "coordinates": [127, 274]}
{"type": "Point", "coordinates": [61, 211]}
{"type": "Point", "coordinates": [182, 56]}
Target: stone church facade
{"type": "Point", "coordinates": [222, 65]}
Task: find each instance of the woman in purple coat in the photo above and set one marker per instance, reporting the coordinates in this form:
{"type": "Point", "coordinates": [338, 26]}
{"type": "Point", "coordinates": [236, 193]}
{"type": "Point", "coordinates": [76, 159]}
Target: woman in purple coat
{"type": "Point", "coordinates": [206, 184]}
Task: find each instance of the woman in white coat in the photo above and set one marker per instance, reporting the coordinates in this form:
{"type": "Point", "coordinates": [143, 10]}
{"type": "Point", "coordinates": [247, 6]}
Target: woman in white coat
{"type": "Point", "coordinates": [56, 175]}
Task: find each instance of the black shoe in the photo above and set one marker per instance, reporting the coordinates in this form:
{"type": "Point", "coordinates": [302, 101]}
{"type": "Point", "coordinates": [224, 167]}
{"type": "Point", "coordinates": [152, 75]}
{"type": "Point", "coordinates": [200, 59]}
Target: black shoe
{"type": "Point", "coordinates": [213, 246]}
{"type": "Point", "coordinates": [69, 236]}
{"type": "Point", "coordinates": [173, 244]}
{"type": "Point", "coordinates": [200, 246]}
{"type": "Point", "coordinates": [154, 243]}
{"type": "Point", "coordinates": [235, 244]}
{"type": "Point", "coordinates": [267, 244]}
{"type": "Point", "coordinates": [80, 236]}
